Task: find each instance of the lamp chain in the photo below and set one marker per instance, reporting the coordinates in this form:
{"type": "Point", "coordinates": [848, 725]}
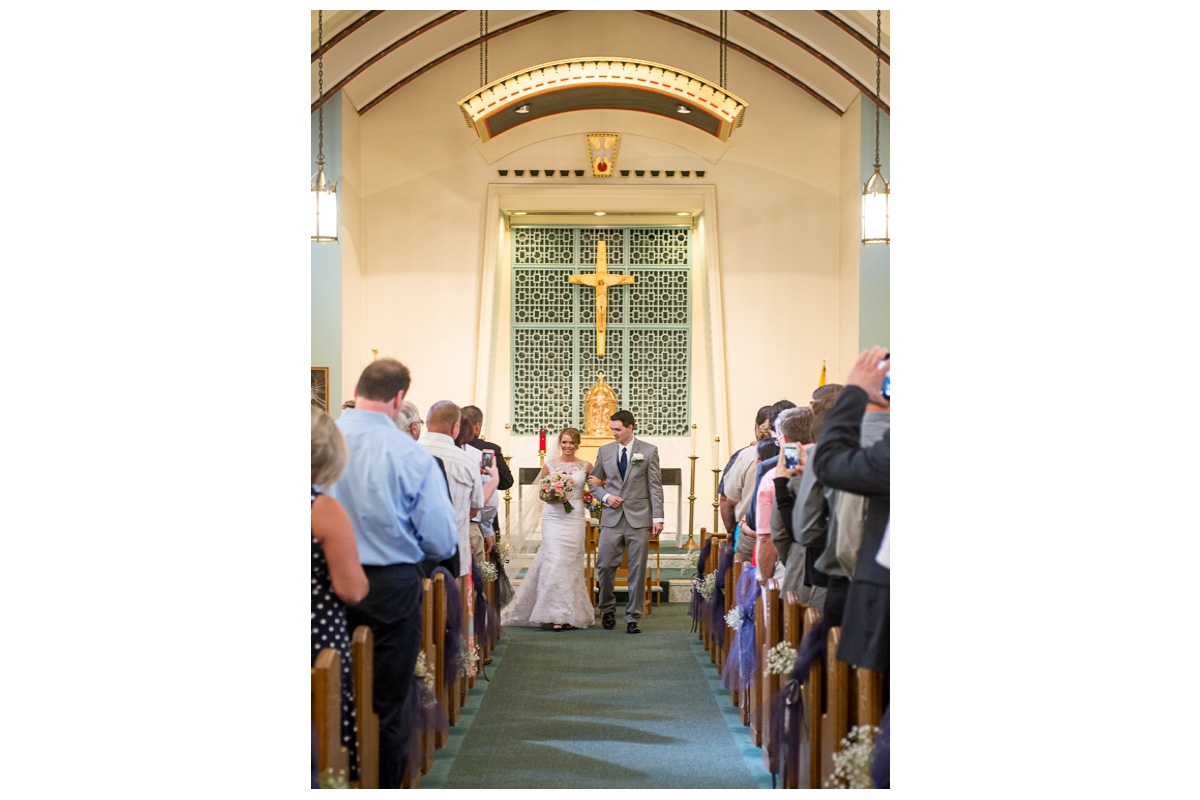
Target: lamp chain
{"type": "Point", "coordinates": [878, 99]}
{"type": "Point", "coordinates": [320, 89]}
{"type": "Point", "coordinates": [724, 56]}
{"type": "Point", "coordinates": [483, 48]}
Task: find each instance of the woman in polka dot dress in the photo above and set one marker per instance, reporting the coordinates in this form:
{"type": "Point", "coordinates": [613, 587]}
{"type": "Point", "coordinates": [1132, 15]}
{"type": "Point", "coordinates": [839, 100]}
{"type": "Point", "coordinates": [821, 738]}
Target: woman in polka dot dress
{"type": "Point", "coordinates": [337, 577]}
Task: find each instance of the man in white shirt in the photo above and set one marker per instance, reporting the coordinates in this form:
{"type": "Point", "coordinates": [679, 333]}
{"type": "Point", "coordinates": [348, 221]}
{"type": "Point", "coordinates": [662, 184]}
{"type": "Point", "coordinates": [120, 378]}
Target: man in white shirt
{"type": "Point", "coordinates": [462, 474]}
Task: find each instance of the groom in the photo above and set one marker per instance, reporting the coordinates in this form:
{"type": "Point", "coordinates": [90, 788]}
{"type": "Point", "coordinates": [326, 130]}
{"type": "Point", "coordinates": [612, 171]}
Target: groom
{"type": "Point", "coordinates": [633, 514]}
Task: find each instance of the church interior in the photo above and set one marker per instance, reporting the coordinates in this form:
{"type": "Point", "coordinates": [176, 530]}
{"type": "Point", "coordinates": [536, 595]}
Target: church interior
{"type": "Point", "coordinates": [707, 170]}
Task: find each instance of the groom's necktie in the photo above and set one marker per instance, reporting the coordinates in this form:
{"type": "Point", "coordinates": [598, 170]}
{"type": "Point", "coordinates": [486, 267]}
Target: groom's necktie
{"type": "Point", "coordinates": [622, 463]}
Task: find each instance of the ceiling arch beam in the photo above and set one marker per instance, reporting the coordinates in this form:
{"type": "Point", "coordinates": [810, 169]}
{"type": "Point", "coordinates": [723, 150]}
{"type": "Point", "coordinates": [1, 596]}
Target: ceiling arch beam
{"type": "Point", "coordinates": [850, 29]}
{"type": "Point", "coordinates": [442, 59]}
{"type": "Point", "coordinates": [751, 55]}
{"type": "Point", "coordinates": [817, 54]}
{"type": "Point", "coordinates": [342, 34]}
{"type": "Point", "coordinates": [363, 67]}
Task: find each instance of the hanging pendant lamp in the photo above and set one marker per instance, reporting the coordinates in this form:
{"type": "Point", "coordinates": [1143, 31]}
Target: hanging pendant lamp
{"type": "Point", "coordinates": [875, 191]}
{"type": "Point", "coordinates": [324, 193]}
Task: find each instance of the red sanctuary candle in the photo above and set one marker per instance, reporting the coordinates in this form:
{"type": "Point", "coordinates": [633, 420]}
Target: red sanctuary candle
{"type": "Point", "coordinates": [542, 440]}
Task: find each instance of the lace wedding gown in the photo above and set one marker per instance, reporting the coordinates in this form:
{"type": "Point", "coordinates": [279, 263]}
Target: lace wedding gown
{"type": "Point", "coordinates": [553, 588]}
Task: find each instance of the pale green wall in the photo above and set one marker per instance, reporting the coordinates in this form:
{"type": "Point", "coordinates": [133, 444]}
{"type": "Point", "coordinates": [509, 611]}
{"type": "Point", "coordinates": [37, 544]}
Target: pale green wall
{"type": "Point", "coordinates": [874, 264]}
{"type": "Point", "coordinates": [326, 263]}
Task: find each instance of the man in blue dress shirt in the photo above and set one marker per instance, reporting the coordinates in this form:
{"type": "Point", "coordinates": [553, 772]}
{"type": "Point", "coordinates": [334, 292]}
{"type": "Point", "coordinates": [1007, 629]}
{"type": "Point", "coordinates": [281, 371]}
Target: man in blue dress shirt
{"type": "Point", "coordinates": [396, 498]}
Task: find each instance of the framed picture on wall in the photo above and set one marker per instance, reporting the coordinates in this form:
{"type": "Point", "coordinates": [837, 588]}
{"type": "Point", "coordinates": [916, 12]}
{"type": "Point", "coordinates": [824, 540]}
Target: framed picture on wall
{"type": "Point", "coordinates": [320, 387]}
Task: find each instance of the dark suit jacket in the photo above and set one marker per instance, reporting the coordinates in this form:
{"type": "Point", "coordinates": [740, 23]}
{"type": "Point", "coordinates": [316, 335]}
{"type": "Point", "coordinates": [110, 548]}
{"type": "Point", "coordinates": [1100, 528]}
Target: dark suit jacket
{"type": "Point", "coordinates": [506, 478]}
{"type": "Point", "coordinates": [841, 462]}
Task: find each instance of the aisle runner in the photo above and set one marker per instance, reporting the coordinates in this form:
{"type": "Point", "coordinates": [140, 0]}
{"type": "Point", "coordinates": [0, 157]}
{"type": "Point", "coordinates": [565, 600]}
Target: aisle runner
{"type": "Point", "coordinates": [597, 709]}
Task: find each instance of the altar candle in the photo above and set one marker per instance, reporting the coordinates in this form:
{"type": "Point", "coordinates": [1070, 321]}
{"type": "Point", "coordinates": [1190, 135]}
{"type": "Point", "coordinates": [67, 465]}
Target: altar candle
{"type": "Point", "coordinates": [716, 452]}
{"type": "Point", "coordinates": [693, 438]}
{"type": "Point", "coordinates": [542, 440]}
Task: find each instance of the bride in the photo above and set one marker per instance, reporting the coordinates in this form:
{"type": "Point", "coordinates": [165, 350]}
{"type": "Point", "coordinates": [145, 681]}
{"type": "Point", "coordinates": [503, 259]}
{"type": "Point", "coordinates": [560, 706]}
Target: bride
{"type": "Point", "coordinates": [553, 590]}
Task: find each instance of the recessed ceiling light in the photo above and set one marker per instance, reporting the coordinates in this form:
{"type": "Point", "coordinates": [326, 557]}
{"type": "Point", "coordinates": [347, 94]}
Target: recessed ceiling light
{"type": "Point", "coordinates": [683, 213]}
{"type": "Point", "coordinates": [682, 109]}
{"type": "Point", "coordinates": [523, 108]}
{"type": "Point", "coordinates": [601, 213]}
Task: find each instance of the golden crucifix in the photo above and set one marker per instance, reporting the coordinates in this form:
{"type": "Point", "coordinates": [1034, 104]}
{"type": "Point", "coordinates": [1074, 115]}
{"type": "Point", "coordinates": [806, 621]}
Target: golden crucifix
{"type": "Point", "coordinates": [600, 281]}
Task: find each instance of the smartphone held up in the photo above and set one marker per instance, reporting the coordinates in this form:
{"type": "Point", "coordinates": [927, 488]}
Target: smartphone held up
{"type": "Point", "coordinates": [791, 455]}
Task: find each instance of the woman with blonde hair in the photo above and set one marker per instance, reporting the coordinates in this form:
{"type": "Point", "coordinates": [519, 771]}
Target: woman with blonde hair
{"type": "Point", "coordinates": [338, 578]}
{"type": "Point", "coordinates": [553, 590]}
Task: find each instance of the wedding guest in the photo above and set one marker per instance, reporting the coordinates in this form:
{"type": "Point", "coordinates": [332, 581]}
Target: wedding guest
{"type": "Point", "coordinates": [397, 502]}
{"type": "Point", "coordinates": [812, 521]}
{"type": "Point", "coordinates": [480, 544]}
{"type": "Point", "coordinates": [735, 495]}
{"type": "Point", "coordinates": [793, 425]}
{"type": "Point", "coordinates": [338, 579]}
{"type": "Point", "coordinates": [409, 420]}
{"type": "Point", "coordinates": [841, 461]}
{"type": "Point", "coordinates": [444, 422]}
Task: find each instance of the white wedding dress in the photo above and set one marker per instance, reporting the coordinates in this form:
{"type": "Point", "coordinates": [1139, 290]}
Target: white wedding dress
{"type": "Point", "coordinates": [553, 589]}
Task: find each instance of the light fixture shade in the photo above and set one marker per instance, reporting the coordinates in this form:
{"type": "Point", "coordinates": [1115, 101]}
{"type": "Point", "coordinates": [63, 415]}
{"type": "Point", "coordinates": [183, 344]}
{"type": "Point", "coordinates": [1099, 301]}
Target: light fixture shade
{"type": "Point", "coordinates": [325, 195]}
{"type": "Point", "coordinates": [875, 210]}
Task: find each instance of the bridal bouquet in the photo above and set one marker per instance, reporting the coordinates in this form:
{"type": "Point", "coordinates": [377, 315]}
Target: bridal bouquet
{"type": "Point", "coordinates": [555, 488]}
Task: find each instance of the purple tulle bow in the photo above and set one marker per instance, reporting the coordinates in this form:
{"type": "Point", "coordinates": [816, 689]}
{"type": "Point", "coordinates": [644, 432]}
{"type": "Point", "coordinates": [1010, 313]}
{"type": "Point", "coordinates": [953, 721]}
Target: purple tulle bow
{"type": "Point", "coordinates": [724, 564]}
{"type": "Point", "coordinates": [487, 621]}
{"type": "Point", "coordinates": [698, 605]}
{"type": "Point", "coordinates": [454, 621]}
{"type": "Point", "coordinates": [422, 711]}
{"type": "Point", "coordinates": [504, 587]}
{"type": "Point", "coordinates": [787, 705]}
{"type": "Point", "coordinates": [742, 662]}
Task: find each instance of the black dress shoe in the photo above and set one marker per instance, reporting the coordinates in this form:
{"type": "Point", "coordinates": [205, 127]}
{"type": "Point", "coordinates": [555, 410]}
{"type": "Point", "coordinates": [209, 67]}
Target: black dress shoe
{"type": "Point", "coordinates": [632, 627]}
{"type": "Point", "coordinates": [609, 620]}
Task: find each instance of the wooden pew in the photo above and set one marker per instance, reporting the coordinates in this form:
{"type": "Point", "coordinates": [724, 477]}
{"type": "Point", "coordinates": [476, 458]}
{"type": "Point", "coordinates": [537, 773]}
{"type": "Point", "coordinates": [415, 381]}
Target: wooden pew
{"type": "Point", "coordinates": [835, 719]}
{"type": "Point", "coordinates": [714, 559]}
{"type": "Point", "coordinates": [466, 595]}
{"type": "Point", "coordinates": [793, 613]}
{"type": "Point", "coordinates": [440, 656]}
{"type": "Point", "coordinates": [327, 713]}
{"type": "Point", "coordinates": [362, 654]}
{"type": "Point", "coordinates": [701, 624]}
{"type": "Point", "coordinates": [735, 696]}
{"type": "Point", "coordinates": [814, 706]}
{"type": "Point", "coordinates": [428, 739]}
{"type": "Point", "coordinates": [730, 592]}
{"type": "Point", "coordinates": [771, 603]}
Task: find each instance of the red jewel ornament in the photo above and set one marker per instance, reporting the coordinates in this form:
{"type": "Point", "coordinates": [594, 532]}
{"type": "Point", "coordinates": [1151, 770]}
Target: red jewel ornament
{"type": "Point", "coordinates": [602, 167]}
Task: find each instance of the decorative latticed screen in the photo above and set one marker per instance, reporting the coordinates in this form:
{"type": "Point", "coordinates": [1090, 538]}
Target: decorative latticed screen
{"type": "Point", "coordinates": [648, 338]}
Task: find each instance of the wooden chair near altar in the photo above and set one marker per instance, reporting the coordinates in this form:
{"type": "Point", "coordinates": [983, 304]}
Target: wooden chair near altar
{"type": "Point", "coordinates": [327, 713]}
{"type": "Point", "coordinates": [362, 656]}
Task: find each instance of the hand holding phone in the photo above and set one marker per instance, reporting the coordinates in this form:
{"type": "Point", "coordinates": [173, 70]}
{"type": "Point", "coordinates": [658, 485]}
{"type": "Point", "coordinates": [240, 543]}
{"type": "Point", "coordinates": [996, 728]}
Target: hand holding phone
{"type": "Point", "coordinates": [791, 455]}
{"type": "Point", "coordinates": [488, 457]}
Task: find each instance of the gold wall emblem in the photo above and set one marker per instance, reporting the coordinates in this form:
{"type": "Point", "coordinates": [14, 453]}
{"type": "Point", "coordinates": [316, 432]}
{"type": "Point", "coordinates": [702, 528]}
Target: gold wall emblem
{"type": "Point", "coordinates": [602, 150]}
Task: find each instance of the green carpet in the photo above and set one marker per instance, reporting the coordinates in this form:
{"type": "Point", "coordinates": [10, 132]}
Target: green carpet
{"type": "Point", "coordinates": [597, 709]}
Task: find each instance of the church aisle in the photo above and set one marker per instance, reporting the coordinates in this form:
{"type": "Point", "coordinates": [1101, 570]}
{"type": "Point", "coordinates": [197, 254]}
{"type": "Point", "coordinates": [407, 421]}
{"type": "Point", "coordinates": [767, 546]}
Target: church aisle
{"type": "Point", "coordinates": [597, 709]}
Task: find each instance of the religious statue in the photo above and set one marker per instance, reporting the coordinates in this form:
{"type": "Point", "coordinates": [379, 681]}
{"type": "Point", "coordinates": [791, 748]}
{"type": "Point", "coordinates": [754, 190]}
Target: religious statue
{"type": "Point", "coordinates": [599, 405]}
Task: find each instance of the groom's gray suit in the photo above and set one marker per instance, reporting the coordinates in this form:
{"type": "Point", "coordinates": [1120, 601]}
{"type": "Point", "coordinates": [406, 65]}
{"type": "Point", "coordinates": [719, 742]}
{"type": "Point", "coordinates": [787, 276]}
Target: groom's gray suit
{"type": "Point", "coordinates": [627, 527]}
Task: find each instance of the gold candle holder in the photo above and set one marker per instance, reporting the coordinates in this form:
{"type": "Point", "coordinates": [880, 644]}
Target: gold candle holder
{"type": "Point", "coordinates": [690, 544]}
{"type": "Point", "coordinates": [716, 497]}
{"type": "Point", "coordinates": [507, 500]}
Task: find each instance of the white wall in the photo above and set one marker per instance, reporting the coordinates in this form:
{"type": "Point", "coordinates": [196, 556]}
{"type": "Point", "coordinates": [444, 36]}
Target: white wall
{"type": "Point", "coordinates": [778, 224]}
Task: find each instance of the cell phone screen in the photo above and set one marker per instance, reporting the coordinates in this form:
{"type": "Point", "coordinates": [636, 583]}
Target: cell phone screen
{"type": "Point", "coordinates": [791, 455]}
{"type": "Point", "coordinates": [487, 458]}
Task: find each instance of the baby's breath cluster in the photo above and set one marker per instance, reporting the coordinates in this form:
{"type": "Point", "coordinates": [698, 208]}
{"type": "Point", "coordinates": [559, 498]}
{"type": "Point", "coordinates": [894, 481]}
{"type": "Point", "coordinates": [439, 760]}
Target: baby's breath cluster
{"type": "Point", "coordinates": [852, 763]}
{"type": "Point", "coordinates": [734, 619]}
{"type": "Point", "coordinates": [468, 659]}
{"type": "Point", "coordinates": [488, 570]}
{"type": "Point", "coordinates": [781, 659]}
{"type": "Point", "coordinates": [708, 585]}
{"type": "Point", "coordinates": [691, 562]}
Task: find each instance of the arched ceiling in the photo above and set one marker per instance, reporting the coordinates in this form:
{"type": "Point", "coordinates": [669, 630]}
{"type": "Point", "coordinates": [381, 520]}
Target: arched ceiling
{"type": "Point", "coordinates": [830, 55]}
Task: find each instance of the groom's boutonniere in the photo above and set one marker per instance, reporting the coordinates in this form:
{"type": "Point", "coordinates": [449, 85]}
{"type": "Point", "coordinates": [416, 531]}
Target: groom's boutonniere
{"type": "Point", "coordinates": [638, 458]}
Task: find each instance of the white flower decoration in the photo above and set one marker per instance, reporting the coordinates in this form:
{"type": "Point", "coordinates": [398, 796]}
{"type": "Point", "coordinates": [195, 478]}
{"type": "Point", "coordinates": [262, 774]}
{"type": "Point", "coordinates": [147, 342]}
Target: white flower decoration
{"type": "Point", "coordinates": [734, 619]}
{"type": "Point", "coordinates": [638, 458]}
